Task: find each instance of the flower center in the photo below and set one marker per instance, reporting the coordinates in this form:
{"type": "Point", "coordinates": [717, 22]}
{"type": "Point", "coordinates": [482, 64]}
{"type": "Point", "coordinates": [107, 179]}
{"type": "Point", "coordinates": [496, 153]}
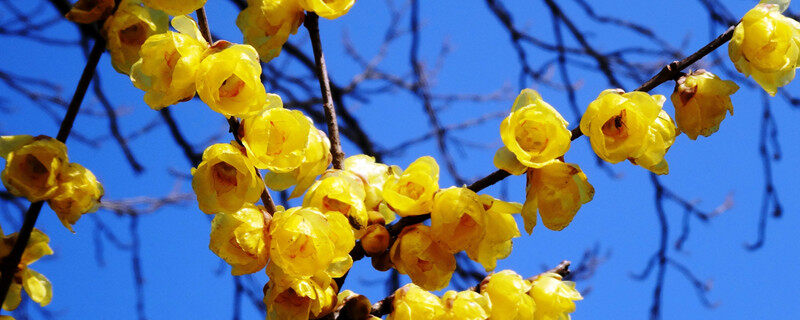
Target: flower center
{"type": "Point", "coordinates": [134, 35]}
{"type": "Point", "coordinates": [231, 87]}
{"type": "Point", "coordinates": [330, 204]}
{"type": "Point", "coordinates": [224, 177]}
{"type": "Point", "coordinates": [36, 172]}
{"type": "Point", "coordinates": [411, 190]}
{"type": "Point", "coordinates": [616, 127]}
{"type": "Point", "coordinates": [531, 136]}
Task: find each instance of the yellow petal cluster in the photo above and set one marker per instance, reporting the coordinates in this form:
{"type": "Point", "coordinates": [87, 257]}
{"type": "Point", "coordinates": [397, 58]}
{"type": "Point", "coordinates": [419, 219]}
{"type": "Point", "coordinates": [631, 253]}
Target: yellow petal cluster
{"type": "Point", "coordinates": [535, 133]}
{"type": "Point", "coordinates": [32, 165]}
{"type": "Point", "coordinates": [417, 254]}
{"type": "Point", "coordinates": [458, 219]}
{"type": "Point", "coordinates": [78, 193]}
{"type": "Point", "coordinates": [225, 180]}
{"type": "Point", "coordinates": [329, 9]}
{"type": "Point", "coordinates": [624, 126]}
{"type": "Point", "coordinates": [507, 292]}
{"type": "Point", "coordinates": [410, 193]}
{"type": "Point", "coordinates": [277, 138]}
{"type": "Point", "coordinates": [128, 28]}
{"type": "Point", "coordinates": [701, 100]}
{"type": "Point", "coordinates": [175, 7]}
{"type": "Point", "coordinates": [229, 81]}
{"type": "Point", "coordinates": [342, 192]}
{"type": "Point", "coordinates": [267, 24]}
{"type": "Point", "coordinates": [556, 191]}
{"type": "Point", "coordinates": [304, 241]}
{"type": "Point", "coordinates": [374, 175]}
{"type": "Point", "coordinates": [35, 284]}
{"type": "Point", "coordinates": [465, 305]}
{"type": "Point", "coordinates": [299, 298]}
{"type": "Point", "coordinates": [316, 159]}
{"type": "Point", "coordinates": [554, 298]}
{"type": "Point", "coordinates": [413, 303]}
{"type": "Point", "coordinates": [168, 64]}
{"type": "Point", "coordinates": [88, 11]}
{"type": "Point", "coordinates": [500, 227]}
{"type": "Point", "coordinates": [766, 46]}
{"type": "Point", "coordinates": [239, 239]}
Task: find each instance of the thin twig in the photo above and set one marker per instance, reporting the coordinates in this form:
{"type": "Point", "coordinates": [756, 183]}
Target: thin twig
{"type": "Point", "coordinates": [312, 25]}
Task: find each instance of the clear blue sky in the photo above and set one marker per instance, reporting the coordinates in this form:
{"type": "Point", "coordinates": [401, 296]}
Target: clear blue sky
{"type": "Point", "coordinates": [184, 280]}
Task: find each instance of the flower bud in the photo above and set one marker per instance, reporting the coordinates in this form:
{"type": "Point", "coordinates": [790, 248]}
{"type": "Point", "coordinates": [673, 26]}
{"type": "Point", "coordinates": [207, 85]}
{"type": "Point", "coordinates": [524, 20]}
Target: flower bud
{"type": "Point", "coordinates": [506, 291]}
{"type": "Point", "coordinates": [175, 8]}
{"type": "Point", "coordinates": [128, 28]}
{"type": "Point", "coordinates": [225, 180]}
{"type": "Point", "coordinates": [412, 302]}
{"type": "Point", "coordinates": [352, 306]}
{"type": "Point", "coordinates": [328, 9]}
{"type": "Point", "coordinates": [376, 239]}
{"type": "Point", "coordinates": [701, 100]}
{"type": "Point", "coordinates": [277, 138]}
{"type": "Point", "coordinates": [416, 254]}
{"type": "Point", "coordinates": [458, 219]}
{"type": "Point", "coordinates": [382, 261]}
{"type": "Point", "coordinates": [229, 81]}
{"type": "Point", "coordinates": [410, 193]}
{"type": "Point", "coordinates": [268, 24]}
{"type": "Point", "coordinates": [534, 132]}
{"type": "Point", "coordinates": [766, 46]}
{"type": "Point", "coordinates": [238, 238]}
{"type": "Point", "coordinates": [32, 165]}
{"type": "Point", "coordinates": [168, 64]}
{"type": "Point", "coordinates": [554, 298]}
{"type": "Point", "coordinates": [556, 191]}
{"type": "Point", "coordinates": [78, 193]}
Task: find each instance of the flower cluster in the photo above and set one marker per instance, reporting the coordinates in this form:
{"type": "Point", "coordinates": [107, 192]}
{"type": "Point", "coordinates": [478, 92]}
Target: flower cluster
{"type": "Point", "coordinates": [38, 169]}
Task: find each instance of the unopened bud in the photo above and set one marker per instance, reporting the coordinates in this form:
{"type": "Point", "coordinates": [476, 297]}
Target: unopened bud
{"type": "Point", "coordinates": [375, 240]}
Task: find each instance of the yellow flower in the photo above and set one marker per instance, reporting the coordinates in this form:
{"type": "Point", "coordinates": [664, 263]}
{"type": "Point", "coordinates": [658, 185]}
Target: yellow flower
{"type": "Point", "coordinates": [374, 175]}
{"type": "Point", "coordinates": [621, 125]}
{"type": "Point", "coordinates": [225, 180]}
{"type": "Point", "coordinates": [534, 132]}
{"type": "Point", "coordinates": [766, 45]}
{"type": "Point", "coordinates": [128, 28]}
{"type": "Point", "coordinates": [416, 254]}
{"type": "Point", "coordinates": [329, 9]}
{"type": "Point", "coordinates": [410, 193]}
{"type": "Point", "coordinates": [299, 298]}
{"type": "Point", "coordinates": [229, 81]}
{"type": "Point", "coordinates": [267, 24]}
{"type": "Point", "coordinates": [465, 305]}
{"type": "Point", "coordinates": [458, 219]}
{"type": "Point", "coordinates": [316, 159]}
{"type": "Point", "coordinates": [304, 241]}
{"type": "Point", "coordinates": [554, 298]}
{"type": "Point", "coordinates": [414, 303]}
{"type": "Point", "coordinates": [32, 165]}
{"type": "Point", "coordinates": [175, 8]}
{"type": "Point", "coordinates": [35, 284]}
{"type": "Point", "coordinates": [239, 239]}
{"type": "Point", "coordinates": [506, 291]}
{"type": "Point", "coordinates": [277, 138]}
{"type": "Point", "coordinates": [78, 193]}
{"type": "Point", "coordinates": [662, 135]}
{"type": "Point", "coordinates": [557, 191]}
{"type": "Point", "coordinates": [500, 228]}
{"type": "Point", "coordinates": [88, 11]}
{"type": "Point", "coordinates": [168, 64]}
{"type": "Point", "coordinates": [342, 192]}
{"type": "Point", "coordinates": [701, 100]}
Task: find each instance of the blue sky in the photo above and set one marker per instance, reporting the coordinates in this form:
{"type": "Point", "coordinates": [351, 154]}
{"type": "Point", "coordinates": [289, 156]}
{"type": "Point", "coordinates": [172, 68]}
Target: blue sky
{"type": "Point", "coordinates": [183, 279]}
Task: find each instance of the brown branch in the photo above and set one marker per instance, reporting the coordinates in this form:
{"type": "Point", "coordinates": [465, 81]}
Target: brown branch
{"type": "Point", "coordinates": [312, 25]}
{"type": "Point", "coordinates": [10, 263]}
{"type": "Point", "coordinates": [202, 22]}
